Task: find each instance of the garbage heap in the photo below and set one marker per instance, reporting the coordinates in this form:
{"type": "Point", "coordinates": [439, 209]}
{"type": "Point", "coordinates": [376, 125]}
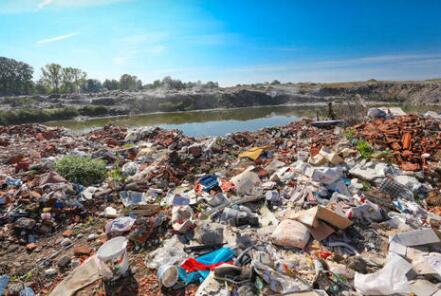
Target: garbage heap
{"type": "Point", "coordinates": [290, 210]}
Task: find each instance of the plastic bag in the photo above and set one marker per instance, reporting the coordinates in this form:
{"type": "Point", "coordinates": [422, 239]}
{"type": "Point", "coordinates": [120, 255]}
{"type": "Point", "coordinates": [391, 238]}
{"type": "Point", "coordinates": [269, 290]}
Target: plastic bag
{"type": "Point", "coordinates": [277, 281]}
{"type": "Point", "coordinates": [120, 225]}
{"type": "Point", "coordinates": [391, 279]}
{"type": "Point", "coordinates": [169, 254]}
{"type": "Point", "coordinates": [290, 233]}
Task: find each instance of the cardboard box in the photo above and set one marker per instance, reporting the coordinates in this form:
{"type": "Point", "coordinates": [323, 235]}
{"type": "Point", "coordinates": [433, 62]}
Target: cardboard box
{"type": "Point", "coordinates": [312, 216]}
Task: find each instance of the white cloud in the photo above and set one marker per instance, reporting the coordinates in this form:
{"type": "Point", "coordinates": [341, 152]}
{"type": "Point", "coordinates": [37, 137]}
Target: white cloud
{"type": "Point", "coordinates": [119, 60]}
{"type": "Point", "coordinates": [21, 6]}
{"type": "Point", "coordinates": [134, 46]}
{"type": "Point", "coordinates": [383, 67]}
{"type": "Point", "coordinates": [155, 49]}
{"type": "Point", "coordinates": [45, 3]}
{"type": "Point", "coordinates": [210, 39]}
{"type": "Point", "coordinates": [378, 59]}
{"type": "Point", "coordinates": [155, 44]}
{"type": "Point", "coordinates": [340, 63]}
{"type": "Point", "coordinates": [153, 37]}
{"type": "Point", "coordinates": [56, 39]}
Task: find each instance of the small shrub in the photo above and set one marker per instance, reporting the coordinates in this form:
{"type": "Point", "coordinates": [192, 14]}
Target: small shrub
{"type": "Point", "coordinates": [36, 115]}
{"type": "Point", "coordinates": [365, 149]}
{"type": "Point", "coordinates": [386, 156]}
{"type": "Point", "coordinates": [349, 134]}
{"type": "Point", "coordinates": [83, 170]}
{"type": "Point", "coordinates": [116, 174]}
{"type": "Point", "coordinates": [366, 186]}
{"type": "Point", "coordinates": [93, 111]}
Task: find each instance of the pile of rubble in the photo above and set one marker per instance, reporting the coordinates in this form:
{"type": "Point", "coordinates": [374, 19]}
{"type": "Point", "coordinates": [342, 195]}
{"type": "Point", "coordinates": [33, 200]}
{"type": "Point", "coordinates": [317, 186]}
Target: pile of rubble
{"type": "Point", "coordinates": [291, 210]}
{"type": "Point", "coordinates": [414, 141]}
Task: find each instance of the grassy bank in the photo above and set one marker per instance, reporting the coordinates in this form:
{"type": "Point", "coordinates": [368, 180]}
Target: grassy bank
{"type": "Point", "coordinates": [43, 115]}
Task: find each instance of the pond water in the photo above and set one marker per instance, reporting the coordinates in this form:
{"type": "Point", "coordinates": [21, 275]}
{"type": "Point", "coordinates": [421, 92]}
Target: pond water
{"type": "Point", "coordinates": [202, 123]}
{"type": "Point", "coordinates": [205, 122]}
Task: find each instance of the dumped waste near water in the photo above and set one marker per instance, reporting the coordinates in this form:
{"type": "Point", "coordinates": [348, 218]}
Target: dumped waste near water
{"type": "Point", "coordinates": [304, 209]}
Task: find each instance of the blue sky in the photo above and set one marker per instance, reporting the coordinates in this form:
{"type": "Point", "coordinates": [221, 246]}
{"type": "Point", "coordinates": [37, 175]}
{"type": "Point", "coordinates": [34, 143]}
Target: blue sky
{"type": "Point", "coordinates": [229, 41]}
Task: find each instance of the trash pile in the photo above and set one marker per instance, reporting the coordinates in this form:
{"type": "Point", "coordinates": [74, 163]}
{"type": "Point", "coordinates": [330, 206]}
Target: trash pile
{"type": "Point", "coordinates": [301, 209]}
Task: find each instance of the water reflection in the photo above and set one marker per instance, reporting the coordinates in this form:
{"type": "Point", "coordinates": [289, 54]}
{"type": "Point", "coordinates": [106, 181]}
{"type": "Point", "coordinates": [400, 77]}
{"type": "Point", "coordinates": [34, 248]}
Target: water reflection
{"type": "Point", "coordinates": [212, 122]}
{"type": "Point", "coordinates": [204, 123]}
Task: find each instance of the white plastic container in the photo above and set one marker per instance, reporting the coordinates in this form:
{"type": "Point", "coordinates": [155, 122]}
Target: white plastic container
{"type": "Point", "coordinates": [113, 254]}
{"type": "Point", "coordinates": [168, 275]}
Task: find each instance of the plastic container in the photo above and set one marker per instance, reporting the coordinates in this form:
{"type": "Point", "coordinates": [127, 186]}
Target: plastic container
{"type": "Point", "coordinates": [168, 275]}
{"type": "Point", "coordinates": [114, 255]}
{"type": "Point", "coordinates": [4, 280]}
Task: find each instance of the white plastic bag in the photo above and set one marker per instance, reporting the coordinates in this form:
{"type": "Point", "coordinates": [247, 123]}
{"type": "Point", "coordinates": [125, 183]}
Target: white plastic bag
{"type": "Point", "coordinates": [291, 234]}
{"type": "Point", "coordinates": [391, 279]}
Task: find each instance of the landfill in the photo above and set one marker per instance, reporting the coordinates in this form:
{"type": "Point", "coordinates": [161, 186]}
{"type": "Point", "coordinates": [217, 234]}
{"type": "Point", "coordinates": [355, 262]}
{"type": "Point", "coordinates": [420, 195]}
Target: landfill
{"type": "Point", "coordinates": [309, 208]}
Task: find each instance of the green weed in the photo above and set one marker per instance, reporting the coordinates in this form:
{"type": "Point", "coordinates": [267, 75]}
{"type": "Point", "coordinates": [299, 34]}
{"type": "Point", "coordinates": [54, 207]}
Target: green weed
{"type": "Point", "coordinates": [365, 149]}
{"type": "Point", "coordinates": [83, 170]}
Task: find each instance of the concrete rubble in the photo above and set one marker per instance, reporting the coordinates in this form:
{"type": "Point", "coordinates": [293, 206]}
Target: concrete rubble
{"type": "Point", "coordinates": [290, 210]}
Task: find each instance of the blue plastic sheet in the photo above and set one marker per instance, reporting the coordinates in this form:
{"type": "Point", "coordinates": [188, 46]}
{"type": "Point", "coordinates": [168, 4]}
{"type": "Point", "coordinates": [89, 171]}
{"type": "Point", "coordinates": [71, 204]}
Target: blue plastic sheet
{"type": "Point", "coordinates": [224, 254]}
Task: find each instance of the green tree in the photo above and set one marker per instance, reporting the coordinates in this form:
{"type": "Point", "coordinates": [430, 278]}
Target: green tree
{"type": "Point", "coordinates": [92, 86]}
{"type": "Point", "coordinates": [111, 84]}
{"type": "Point", "coordinates": [138, 84]}
{"type": "Point", "coordinates": [15, 77]}
{"type": "Point", "coordinates": [52, 75]}
{"type": "Point", "coordinates": [191, 85]}
{"type": "Point", "coordinates": [156, 83]}
{"type": "Point", "coordinates": [211, 85]}
{"type": "Point", "coordinates": [41, 87]}
{"type": "Point", "coordinates": [68, 80]}
{"type": "Point", "coordinates": [170, 83]}
{"type": "Point", "coordinates": [129, 82]}
{"type": "Point", "coordinates": [73, 78]}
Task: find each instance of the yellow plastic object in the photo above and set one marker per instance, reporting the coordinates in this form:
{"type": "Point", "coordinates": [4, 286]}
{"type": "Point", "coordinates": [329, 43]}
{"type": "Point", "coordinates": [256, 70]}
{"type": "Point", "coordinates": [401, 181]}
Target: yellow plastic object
{"type": "Point", "coordinates": [253, 153]}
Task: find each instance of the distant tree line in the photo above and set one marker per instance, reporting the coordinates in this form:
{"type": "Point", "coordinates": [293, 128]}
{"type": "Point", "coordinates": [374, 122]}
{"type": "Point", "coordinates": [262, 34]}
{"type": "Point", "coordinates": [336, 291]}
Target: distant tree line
{"type": "Point", "coordinates": [16, 78]}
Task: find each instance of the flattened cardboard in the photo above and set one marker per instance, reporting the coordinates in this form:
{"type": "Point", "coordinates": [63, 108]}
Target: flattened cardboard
{"type": "Point", "coordinates": [321, 232]}
{"type": "Point", "coordinates": [418, 237]}
{"type": "Point", "coordinates": [308, 217]}
{"type": "Point", "coordinates": [397, 248]}
{"type": "Point", "coordinates": [422, 287]}
{"type": "Point", "coordinates": [333, 218]}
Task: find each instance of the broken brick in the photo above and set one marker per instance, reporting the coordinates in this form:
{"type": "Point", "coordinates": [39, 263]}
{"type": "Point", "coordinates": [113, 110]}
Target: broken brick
{"type": "Point", "coordinates": [82, 251]}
